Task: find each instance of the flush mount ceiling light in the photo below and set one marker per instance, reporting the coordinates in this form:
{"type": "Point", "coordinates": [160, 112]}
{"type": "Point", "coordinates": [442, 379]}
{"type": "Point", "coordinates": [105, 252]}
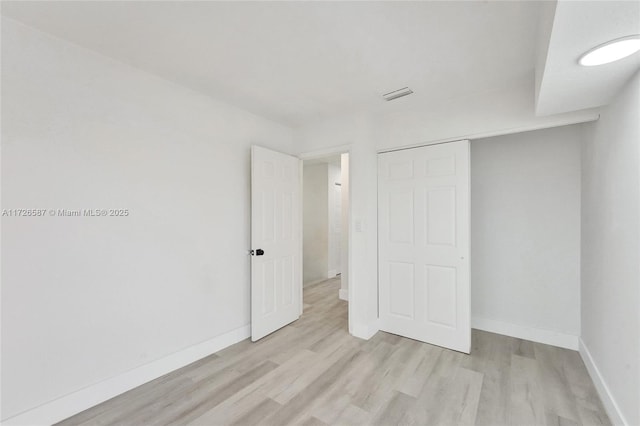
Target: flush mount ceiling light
{"type": "Point", "coordinates": [397, 94]}
{"type": "Point", "coordinates": [611, 51]}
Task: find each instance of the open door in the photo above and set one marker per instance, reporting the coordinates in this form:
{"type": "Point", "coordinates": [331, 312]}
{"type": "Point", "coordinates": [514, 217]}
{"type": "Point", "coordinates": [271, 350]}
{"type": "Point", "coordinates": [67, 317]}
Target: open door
{"type": "Point", "coordinates": [276, 241]}
{"type": "Point", "coordinates": [423, 244]}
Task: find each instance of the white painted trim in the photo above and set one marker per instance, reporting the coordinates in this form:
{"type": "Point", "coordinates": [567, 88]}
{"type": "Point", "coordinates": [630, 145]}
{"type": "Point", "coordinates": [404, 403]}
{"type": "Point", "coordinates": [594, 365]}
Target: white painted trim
{"type": "Point", "coordinates": [509, 131]}
{"type": "Point", "coordinates": [540, 335]}
{"type": "Point", "coordinates": [366, 331]}
{"type": "Point", "coordinates": [300, 277]}
{"type": "Point", "coordinates": [609, 402]}
{"type": "Point", "coordinates": [76, 402]}
{"type": "Point", "coordinates": [343, 294]}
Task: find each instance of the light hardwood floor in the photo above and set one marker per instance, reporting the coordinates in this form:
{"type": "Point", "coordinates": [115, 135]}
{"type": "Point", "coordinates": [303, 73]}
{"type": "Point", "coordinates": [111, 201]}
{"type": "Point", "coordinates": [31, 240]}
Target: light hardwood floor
{"type": "Point", "coordinates": [313, 372]}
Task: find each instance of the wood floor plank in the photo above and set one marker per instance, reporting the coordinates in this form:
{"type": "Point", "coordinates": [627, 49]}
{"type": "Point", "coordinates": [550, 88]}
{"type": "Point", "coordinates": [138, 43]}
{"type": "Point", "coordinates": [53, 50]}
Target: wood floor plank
{"type": "Point", "coordinates": [331, 406]}
{"type": "Point", "coordinates": [526, 399]}
{"type": "Point", "coordinates": [312, 421]}
{"type": "Point", "coordinates": [395, 410]}
{"type": "Point", "coordinates": [256, 414]}
{"type": "Point", "coordinates": [590, 408]}
{"type": "Point", "coordinates": [198, 402]}
{"type": "Point", "coordinates": [524, 348]}
{"type": "Point", "coordinates": [313, 372]}
{"type": "Point", "coordinates": [416, 381]}
{"type": "Point", "coordinates": [234, 409]}
{"type": "Point", "coordinates": [253, 394]}
{"type": "Point", "coordinates": [558, 396]}
{"type": "Point", "coordinates": [352, 416]}
{"type": "Point", "coordinates": [555, 420]}
{"type": "Point", "coordinates": [299, 405]}
{"type": "Point", "coordinates": [378, 388]}
{"type": "Point", "coordinates": [469, 384]}
{"type": "Point", "coordinates": [340, 394]}
{"type": "Point", "coordinates": [451, 399]}
{"type": "Point", "coordinates": [495, 364]}
{"type": "Point", "coordinates": [310, 375]}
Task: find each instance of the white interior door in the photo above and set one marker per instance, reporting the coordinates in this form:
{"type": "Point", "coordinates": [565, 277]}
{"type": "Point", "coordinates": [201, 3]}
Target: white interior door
{"type": "Point", "coordinates": [276, 241]}
{"type": "Point", "coordinates": [423, 237]}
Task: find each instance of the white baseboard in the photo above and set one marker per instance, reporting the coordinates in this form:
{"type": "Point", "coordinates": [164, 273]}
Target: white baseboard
{"type": "Point", "coordinates": [610, 405]}
{"type": "Point", "coordinates": [539, 335]}
{"type": "Point", "coordinates": [343, 294]}
{"type": "Point", "coordinates": [366, 331]}
{"type": "Point", "coordinates": [76, 402]}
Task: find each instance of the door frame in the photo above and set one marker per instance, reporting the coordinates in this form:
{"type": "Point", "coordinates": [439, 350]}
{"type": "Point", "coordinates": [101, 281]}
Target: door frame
{"type": "Point", "coordinates": [311, 155]}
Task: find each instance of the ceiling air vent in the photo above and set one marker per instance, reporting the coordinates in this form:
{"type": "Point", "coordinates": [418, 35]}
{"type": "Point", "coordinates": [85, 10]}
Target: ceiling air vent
{"type": "Point", "coordinates": [397, 94]}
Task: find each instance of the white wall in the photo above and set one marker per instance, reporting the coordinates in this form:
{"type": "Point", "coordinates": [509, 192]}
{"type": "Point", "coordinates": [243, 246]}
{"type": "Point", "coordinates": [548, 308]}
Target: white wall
{"type": "Point", "coordinates": [86, 299]}
{"type": "Point", "coordinates": [471, 117]}
{"type": "Point", "coordinates": [315, 246]}
{"type": "Point", "coordinates": [344, 251]}
{"type": "Point", "coordinates": [334, 211]}
{"type": "Point", "coordinates": [525, 234]}
{"type": "Point", "coordinates": [611, 254]}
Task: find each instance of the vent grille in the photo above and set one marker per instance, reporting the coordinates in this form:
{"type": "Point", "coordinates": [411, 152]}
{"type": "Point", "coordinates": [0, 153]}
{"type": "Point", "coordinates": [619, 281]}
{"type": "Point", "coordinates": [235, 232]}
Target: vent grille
{"type": "Point", "coordinates": [397, 94]}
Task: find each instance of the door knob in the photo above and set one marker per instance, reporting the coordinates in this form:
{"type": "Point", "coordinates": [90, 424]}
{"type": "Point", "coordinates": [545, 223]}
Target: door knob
{"type": "Point", "coordinates": [258, 252]}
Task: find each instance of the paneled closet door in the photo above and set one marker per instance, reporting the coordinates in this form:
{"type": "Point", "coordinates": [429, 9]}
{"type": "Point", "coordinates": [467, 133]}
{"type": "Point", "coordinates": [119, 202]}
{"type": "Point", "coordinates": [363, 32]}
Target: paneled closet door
{"type": "Point", "coordinates": [423, 238]}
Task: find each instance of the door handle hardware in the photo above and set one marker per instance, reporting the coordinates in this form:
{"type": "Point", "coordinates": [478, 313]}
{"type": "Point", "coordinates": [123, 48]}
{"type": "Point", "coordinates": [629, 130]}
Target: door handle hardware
{"type": "Point", "coordinates": [258, 252]}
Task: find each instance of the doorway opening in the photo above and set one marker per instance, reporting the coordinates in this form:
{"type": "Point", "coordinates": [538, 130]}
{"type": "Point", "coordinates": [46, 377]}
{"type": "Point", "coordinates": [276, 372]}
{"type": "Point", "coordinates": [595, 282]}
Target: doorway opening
{"type": "Point", "coordinates": [325, 229]}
